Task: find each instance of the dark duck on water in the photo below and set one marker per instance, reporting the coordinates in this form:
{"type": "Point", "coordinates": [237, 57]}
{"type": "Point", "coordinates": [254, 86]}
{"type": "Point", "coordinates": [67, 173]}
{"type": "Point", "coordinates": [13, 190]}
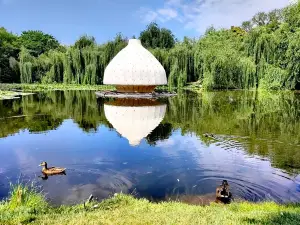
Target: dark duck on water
{"type": "Point", "coordinates": [223, 194]}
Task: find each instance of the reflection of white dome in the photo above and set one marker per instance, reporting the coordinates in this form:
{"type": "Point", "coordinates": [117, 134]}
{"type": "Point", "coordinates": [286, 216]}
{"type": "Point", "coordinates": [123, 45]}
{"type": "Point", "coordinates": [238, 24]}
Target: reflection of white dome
{"type": "Point", "coordinates": [135, 65]}
{"type": "Point", "coordinates": [134, 123]}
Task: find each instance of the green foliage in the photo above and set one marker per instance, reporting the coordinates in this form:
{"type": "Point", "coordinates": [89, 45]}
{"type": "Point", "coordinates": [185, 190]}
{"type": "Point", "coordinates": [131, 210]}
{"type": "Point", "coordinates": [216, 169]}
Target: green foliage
{"type": "Point", "coordinates": [261, 53]}
{"type": "Point", "coordinates": [260, 19]}
{"type": "Point", "coordinates": [273, 78]}
{"type": "Point", "coordinates": [26, 196]}
{"type": "Point", "coordinates": [26, 66]}
{"type": "Point", "coordinates": [218, 61]}
{"type": "Point", "coordinates": [9, 71]}
{"type": "Point", "coordinates": [37, 42]}
{"type": "Point", "coordinates": [85, 41]}
{"type": "Point", "coordinates": [125, 209]}
{"type": "Point", "coordinates": [155, 37]}
{"type": "Point", "coordinates": [247, 26]}
{"type": "Point", "coordinates": [293, 54]}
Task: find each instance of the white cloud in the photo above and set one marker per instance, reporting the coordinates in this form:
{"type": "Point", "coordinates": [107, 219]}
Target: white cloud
{"type": "Point", "coordinates": [167, 13]}
{"type": "Point", "coordinates": [200, 14]}
{"type": "Point", "coordinates": [147, 15]}
{"type": "Point", "coordinates": [161, 14]}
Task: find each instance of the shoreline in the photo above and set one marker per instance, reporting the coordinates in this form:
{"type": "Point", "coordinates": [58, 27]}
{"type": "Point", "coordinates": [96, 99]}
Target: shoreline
{"type": "Point", "coordinates": [37, 87]}
{"type": "Point", "coordinates": [6, 95]}
{"type": "Point", "coordinates": [27, 205]}
{"type": "Point", "coordinates": [52, 87]}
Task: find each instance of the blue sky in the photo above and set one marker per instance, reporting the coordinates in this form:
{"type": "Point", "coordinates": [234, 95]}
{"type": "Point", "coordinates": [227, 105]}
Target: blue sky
{"type": "Point", "coordinates": [68, 19]}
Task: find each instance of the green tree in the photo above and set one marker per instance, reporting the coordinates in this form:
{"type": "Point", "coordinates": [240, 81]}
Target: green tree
{"type": "Point", "coordinates": [154, 37]}
{"type": "Point", "coordinates": [247, 26]}
{"type": "Point", "coordinates": [9, 71]}
{"type": "Point", "coordinates": [260, 19]}
{"type": "Point", "coordinates": [37, 42]}
{"type": "Point", "coordinates": [85, 41]}
{"type": "Point", "coordinates": [167, 39]}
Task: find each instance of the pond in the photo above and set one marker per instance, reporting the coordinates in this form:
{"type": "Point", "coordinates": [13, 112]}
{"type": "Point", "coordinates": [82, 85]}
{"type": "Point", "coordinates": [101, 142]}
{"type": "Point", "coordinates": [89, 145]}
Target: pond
{"type": "Point", "coordinates": [183, 145]}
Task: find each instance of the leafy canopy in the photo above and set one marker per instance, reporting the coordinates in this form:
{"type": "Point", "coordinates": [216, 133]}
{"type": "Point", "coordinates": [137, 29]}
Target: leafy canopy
{"type": "Point", "coordinates": [38, 42]}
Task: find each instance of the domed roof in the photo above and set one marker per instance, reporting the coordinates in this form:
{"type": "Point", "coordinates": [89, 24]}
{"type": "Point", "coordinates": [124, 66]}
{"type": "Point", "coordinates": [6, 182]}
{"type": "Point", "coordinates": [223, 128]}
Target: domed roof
{"type": "Point", "coordinates": [135, 122]}
{"type": "Point", "coordinates": [135, 65]}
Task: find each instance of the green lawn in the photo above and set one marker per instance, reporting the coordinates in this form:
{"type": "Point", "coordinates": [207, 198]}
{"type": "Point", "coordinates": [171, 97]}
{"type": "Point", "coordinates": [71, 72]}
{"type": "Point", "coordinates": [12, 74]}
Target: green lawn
{"type": "Point", "coordinates": [27, 206]}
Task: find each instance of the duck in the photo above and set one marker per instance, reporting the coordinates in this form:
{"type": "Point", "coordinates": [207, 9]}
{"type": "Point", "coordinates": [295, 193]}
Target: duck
{"type": "Point", "coordinates": [223, 194]}
{"type": "Point", "coordinates": [51, 170]}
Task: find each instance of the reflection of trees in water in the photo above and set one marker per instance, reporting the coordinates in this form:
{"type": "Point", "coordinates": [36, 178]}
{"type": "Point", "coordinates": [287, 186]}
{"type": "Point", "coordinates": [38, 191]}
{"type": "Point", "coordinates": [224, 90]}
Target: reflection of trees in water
{"type": "Point", "coordinates": [162, 132]}
{"type": "Point", "coordinates": [267, 124]}
{"type": "Point", "coordinates": [46, 111]}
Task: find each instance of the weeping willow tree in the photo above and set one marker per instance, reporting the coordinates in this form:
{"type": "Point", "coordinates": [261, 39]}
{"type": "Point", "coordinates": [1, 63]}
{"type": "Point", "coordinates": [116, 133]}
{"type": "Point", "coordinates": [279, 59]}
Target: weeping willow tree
{"type": "Point", "coordinates": [68, 67]}
{"type": "Point", "coordinates": [91, 58]}
{"type": "Point", "coordinates": [293, 54]}
{"type": "Point", "coordinates": [56, 69]}
{"type": "Point", "coordinates": [261, 45]}
{"type": "Point", "coordinates": [26, 66]}
{"type": "Point", "coordinates": [248, 72]}
{"type": "Point", "coordinates": [77, 65]}
{"type": "Point", "coordinates": [80, 64]}
{"type": "Point", "coordinates": [182, 66]}
{"type": "Point", "coordinates": [163, 56]}
{"type": "Point", "coordinates": [262, 53]}
{"type": "Point", "coordinates": [220, 62]}
{"type": "Point", "coordinates": [112, 48]}
{"type": "Point", "coordinates": [178, 63]}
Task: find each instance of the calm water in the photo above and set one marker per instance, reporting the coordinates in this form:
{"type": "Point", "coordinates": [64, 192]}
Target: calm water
{"type": "Point", "coordinates": [154, 149]}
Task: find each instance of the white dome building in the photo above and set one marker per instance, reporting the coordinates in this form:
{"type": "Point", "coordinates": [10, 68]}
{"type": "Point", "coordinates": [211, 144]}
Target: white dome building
{"type": "Point", "coordinates": [134, 122]}
{"type": "Point", "coordinates": [135, 69]}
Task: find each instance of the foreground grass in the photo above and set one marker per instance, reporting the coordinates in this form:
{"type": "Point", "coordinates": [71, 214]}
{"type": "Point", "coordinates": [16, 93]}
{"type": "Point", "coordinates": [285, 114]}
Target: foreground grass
{"type": "Point", "coordinates": [25, 205]}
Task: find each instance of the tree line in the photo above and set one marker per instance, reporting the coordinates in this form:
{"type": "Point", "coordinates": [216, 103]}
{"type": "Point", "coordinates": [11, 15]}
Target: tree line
{"type": "Point", "coordinates": [263, 52]}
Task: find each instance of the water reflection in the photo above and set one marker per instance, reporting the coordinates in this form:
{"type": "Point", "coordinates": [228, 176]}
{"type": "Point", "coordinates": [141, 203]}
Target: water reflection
{"type": "Point", "coordinates": [254, 143]}
{"type": "Point", "coordinates": [134, 119]}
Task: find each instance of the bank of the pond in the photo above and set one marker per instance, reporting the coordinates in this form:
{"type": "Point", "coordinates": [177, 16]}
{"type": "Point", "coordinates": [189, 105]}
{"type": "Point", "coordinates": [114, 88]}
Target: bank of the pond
{"type": "Point", "coordinates": [53, 87]}
{"type": "Point", "coordinates": [11, 94]}
{"type": "Point", "coordinates": [28, 206]}
{"type": "Point", "coordinates": [62, 87]}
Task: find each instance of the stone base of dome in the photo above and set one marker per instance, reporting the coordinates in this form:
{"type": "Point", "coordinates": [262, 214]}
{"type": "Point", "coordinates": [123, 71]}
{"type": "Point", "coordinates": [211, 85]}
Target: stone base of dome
{"type": "Point", "coordinates": [134, 95]}
{"type": "Point", "coordinates": [135, 88]}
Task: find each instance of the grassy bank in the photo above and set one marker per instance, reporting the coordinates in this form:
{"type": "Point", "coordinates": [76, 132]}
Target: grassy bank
{"type": "Point", "coordinates": [52, 87]}
{"type": "Point", "coordinates": [25, 205]}
{"type": "Point", "coordinates": [62, 87]}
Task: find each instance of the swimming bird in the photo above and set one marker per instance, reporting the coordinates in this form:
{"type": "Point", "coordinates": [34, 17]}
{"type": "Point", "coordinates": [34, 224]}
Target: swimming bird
{"type": "Point", "coordinates": [51, 170]}
{"type": "Point", "coordinates": [223, 194]}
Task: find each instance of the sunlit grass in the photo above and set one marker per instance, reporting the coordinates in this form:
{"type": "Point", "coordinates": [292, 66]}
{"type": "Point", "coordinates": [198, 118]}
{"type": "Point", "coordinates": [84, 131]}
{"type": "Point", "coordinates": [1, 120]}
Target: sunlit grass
{"type": "Point", "coordinates": [26, 205]}
{"type": "Point", "coordinates": [50, 87]}
{"type": "Point", "coordinates": [63, 87]}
